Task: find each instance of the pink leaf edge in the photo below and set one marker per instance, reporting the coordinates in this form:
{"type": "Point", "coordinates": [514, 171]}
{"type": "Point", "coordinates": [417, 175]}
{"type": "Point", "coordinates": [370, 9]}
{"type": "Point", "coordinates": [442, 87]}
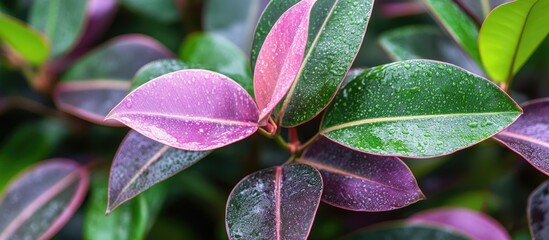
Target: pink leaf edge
{"type": "Point", "coordinates": [280, 57]}
{"type": "Point", "coordinates": [191, 109]}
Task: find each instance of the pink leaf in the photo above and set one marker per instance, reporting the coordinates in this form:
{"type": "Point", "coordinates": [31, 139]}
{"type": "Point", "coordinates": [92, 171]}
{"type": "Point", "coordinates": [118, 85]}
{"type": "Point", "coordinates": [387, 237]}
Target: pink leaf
{"type": "Point", "coordinates": [41, 201]}
{"type": "Point", "coordinates": [476, 225]}
{"type": "Point", "coordinates": [280, 57]}
{"type": "Point", "coordinates": [193, 110]}
{"type": "Point", "coordinates": [529, 135]}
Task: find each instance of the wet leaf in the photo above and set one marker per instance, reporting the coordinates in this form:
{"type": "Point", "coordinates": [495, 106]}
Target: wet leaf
{"type": "Point", "coordinates": [270, 15]}
{"type": "Point", "coordinates": [141, 163]}
{"type": "Point", "coordinates": [538, 211]}
{"type": "Point", "coordinates": [131, 221]}
{"type": "Point", "coordinates": [458, 24]}
{"type": "Point", "coordinates": [235, 20]}
{"type": "Point", "coordinates": [195, 110]}
{"type": "Point", "coordinates": [27, 145]}
{"type": "Point", "coordinates": [164, 11]}
{"type": "Point", "coordinates": [275, 203]}
{"type": "Point", "coordinates": [406, 232]}
{"type": "Point", "coordinates": [61, 21]}
{"type": "Point", "coordinates": [510, 34]}
{"type": "Point", "coordinates": [473, 224]}
{"type": "Point", "coordinates": [335, 36]}
{"type": "Point", "coordinates": [417, 108]}
{"type": "Point", "coordinates": [199, 48]}
{"type": "Point", "coordinates": [529, 135]}
{"type": "Point", "coordinates": [156, 69]}
{"type": "Point", "coordinates": [361, 182]}
{"type": "Point", "coordinates": [42, 199]}
{"type": "Point", "coordinates": [23, 40]}
{"type": "Point", "coordinates": [427, 42]}
{"type": "Point", "coordinates": [101, 79]}
{"type": "Point", "coordinates": [280, 57]}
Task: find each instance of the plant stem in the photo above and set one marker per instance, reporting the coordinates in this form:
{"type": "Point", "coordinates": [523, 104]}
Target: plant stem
{"type": "Point", "coordinates": [282, 143]}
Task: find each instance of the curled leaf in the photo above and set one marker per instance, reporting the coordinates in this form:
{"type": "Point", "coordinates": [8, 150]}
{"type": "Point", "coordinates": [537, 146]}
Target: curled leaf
{"type": "Point", "coordinates": [361, 182]}
{"type": "Point", "coordinates": [275, 203]}
{"type": "Point", "coordinates": [41, 201]}
{"type": "Point", "coordinates": [194, 110]}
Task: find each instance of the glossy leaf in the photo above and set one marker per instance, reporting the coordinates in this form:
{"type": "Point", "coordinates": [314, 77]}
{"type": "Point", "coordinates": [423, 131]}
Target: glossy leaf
{"type": "Point", "coordinates": [417, 108]}
{"type": "Point", "coordinates": [23, 40]}
{"type": "Point", "coordinates": [131, 221]}
{"type": "Point", "coordinates": [101, 79]}
{"type": "Point", "coordinates": [406, 232]}
{"type": "Point", "coordinates": [270, 15]}
{"type": "Point", "coordinates": [427, 42]}
{"type": "Point", "coordinates": [156, 69]}
{"type": "Point", "coordinates": [473, 224]}
{"type": "Point", "coordinates": [361, 182]}
{"type": "Point", "coordinates": [140, 163]}
{"type": "Point", "coordinates": [335, 36]}
{"type": "Point", "coordinates": [195, 110]}
{"type": "Point", "coordinates": [164, 11]}
{"type": "Point", "coordinates": [529, 135]}
{"type": "Point", "coordinates": [275, 203]}
{"type": "Point", "coordinates": [229, 60]}
{"type": "Point", "coordinates": [61, 21]}
{"type": "Point", "coordinates": [41, 200]}
{"type": "Point", "coordinates": [538, 211]}
{"type": "Point", "coordinates": [460, 26]}
{"type": "Point", "coordinates": [27, 145]}
{"type": "Point", "coordinates": [235, 20]}
{"type": "Point", "coordinates": [510, 34]}
{"type": "Point", "coordinates": [280, 57]}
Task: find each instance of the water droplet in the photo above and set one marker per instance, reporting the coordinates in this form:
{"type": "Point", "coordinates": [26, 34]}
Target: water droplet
{"type": "Point", "coordinates": [405, 131]}
{"type": "Point", "coordinates": [473, 124]}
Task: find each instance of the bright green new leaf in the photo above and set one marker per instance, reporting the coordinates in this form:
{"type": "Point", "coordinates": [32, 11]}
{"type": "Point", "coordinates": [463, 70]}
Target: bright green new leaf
{"type": "Point", "coordinates": [460, 26]}
{"type": "Point", "coordinates": [510, 34]}
{"type": "Point", "coordinates": [213, 52]}
{"type": "Point", "coordinates": [23, 40]}
{"type": "Point", "coordinates": [335, 35]}
{"type": "Point", "coordinates": [61, 21]}
{"type": "Point", "coordinates": [130, 221]}
{"type": "Point", "coordinates": [417, 108]}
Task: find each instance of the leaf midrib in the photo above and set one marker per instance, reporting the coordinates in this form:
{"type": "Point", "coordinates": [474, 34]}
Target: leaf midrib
{"type": "Point", "coordinates": [523, 137]}
{"type": "Point", "coordinates": [188, 118]}
{"type": "Point", "coordinates": [406, 118]}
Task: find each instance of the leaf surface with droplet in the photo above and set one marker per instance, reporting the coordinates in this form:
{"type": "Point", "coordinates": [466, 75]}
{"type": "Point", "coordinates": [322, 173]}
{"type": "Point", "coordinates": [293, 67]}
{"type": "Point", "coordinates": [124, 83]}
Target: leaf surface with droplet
{"type": "Point", "coordinates": [417, 108]}
{"type": "Point", "coordinates": [529, 135]}
{"type": "Point", "coordinates": [361, 182]}
{"type": "Point", "coordinates": [194, 110]}
{"type": "Point", "coordinates": [538, 211]}
{"type": "Point", "coordinates": [275, 203]}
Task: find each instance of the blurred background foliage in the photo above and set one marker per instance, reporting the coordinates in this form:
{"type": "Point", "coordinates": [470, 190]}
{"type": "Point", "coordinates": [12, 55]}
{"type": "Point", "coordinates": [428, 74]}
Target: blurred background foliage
{"type": "Point", "coordinates": [486, 177]}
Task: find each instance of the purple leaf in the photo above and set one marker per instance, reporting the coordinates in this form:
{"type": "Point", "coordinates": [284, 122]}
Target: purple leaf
{"type": "Point", "coordinates": [275, 203]}
{"type": "Point", "coordinates": [538, 211]}
{"type": "Point", "coordinates": [194, 110]}
{"type": "Point", "coordinates": [529, 135]}
{"type": "Point", "coordinates": [141, 163]}
{"type": "Point", "coordinates": [361, 182]}
{"type": "Point", "coordinates": [101, 79]}
{"type": "Point", "coordinates": [473, 224]}
{"type": "Point", "coordinates": [281, 56]}
{"type": "Point", "coordinates": [41, 200]}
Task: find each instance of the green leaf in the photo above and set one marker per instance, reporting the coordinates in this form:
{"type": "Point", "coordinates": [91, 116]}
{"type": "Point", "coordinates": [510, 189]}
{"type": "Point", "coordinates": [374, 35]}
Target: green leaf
{"type": "Point", "coordinates": [164, 11]}
{"type": "Point", "coordinates": [130, 221]}
{"type": "Point", "coordinates": [216, 53]}
{"type": "Point", "coordinates": [25, 41]}
{"type": "Point", "coordinates": [156, 69]}
{"type": "Point", "coordinates": [28, 144]}
{"type": "Point", "coordinates": [417, 108]}
{"type": "Point", "coordinates": [61, 21]}
{"type": "Point", "coordinates": [510, 34]}
{"type": "Point", "coordinates": [427, 42]}
{"type": "Point", "coordinates": [272, 12]}
{"type": "Point", "coordinates": [460, 26]}
{"type": "Point", "coordinates": [335, 36]}
{"type": "Point", "coordinates": [407, 232]}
